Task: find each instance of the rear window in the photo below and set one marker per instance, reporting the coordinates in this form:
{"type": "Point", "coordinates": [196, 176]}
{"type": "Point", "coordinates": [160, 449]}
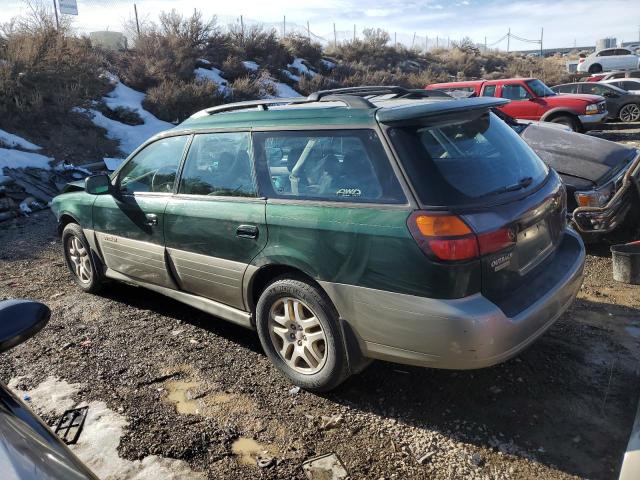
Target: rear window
{"type": "Point", "coordinates": [467, 161]}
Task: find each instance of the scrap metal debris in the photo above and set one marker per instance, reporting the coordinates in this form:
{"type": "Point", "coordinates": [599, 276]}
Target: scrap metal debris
{"type": "Point", "coordinates": [325, 467]}
{"type": "Point", "coordinates": [70, 424]}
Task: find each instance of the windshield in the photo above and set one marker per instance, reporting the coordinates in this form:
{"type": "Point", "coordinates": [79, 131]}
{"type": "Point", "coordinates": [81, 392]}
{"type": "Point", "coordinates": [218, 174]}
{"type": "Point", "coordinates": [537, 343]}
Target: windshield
{"type": "Point", "coordinates": [540, 89]}
{"type": "Point", "coordinates": [466, 160]}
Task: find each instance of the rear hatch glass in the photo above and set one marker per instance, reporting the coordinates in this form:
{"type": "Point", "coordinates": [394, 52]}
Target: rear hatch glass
{"type": "Point", "coordinates": [467, 161]}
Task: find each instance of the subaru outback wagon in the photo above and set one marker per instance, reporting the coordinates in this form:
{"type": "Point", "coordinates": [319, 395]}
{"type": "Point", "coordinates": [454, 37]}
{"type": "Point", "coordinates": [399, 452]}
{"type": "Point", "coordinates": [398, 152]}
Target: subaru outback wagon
{"type": "Point", "coordinates": [350, 225]}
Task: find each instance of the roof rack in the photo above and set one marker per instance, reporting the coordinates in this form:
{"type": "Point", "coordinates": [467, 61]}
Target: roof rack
{"type": "Point", "coordinates": [352, 97]}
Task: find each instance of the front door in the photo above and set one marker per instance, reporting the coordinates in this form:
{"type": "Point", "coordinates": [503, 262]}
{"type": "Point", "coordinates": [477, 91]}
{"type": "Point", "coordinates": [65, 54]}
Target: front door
{"type": "Point", "coordinates": [129, 224]}
{"type": "Point", "coordinates": [521, 105]}
{"type": "Point", "coordinates": [215, 225]}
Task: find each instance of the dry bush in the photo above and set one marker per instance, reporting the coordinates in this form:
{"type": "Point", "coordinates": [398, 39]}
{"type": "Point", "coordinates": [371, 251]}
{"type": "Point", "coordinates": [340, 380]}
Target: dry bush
{"type": "Point", "coordinates": [233, 68]}
{"type": "Point", "coordinates": [176, 100]}
{"type": "Point", "coordinates": [247, 88]}
{"type": "Point", "coordinates": [301, 47]}
{"type": "Point", "coordinates": [262, 46]}
{"type": "Point", "coordinates": [308, 85]}
{"type": "Point", "coordinates": [121, 114]}
{"type": "Point", "coordinates": [44, 69]}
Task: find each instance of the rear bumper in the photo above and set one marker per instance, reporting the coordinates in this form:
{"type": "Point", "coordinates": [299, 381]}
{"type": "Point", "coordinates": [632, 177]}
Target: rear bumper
{"type": "Point", "coordinates": [465, 333]}
{"type": "Point", "coordinates": [593, 120]}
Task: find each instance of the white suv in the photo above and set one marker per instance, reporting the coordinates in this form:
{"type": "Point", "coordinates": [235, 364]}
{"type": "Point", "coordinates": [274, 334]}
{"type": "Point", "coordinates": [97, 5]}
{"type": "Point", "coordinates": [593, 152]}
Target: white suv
{"type": "Point", "coordinates": [609, 59]}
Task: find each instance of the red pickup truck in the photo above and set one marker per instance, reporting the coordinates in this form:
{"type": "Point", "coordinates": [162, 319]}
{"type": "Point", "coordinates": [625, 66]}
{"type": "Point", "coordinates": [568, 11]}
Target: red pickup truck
{"type": "Point", "coordinates": [531, 99]}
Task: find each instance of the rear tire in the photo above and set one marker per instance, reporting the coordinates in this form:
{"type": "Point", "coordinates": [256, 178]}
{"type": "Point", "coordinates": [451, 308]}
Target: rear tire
{"type": "Point", "coordinates": [85, 269]}
{"type": "Point", "coordinates": [595, 68]}
{"type": "Point", "coordinates": [629, 113]}
{"type": "Point", "coordinates": [299, 331]}
{"type": "Point", "coordinates": [566, 120]}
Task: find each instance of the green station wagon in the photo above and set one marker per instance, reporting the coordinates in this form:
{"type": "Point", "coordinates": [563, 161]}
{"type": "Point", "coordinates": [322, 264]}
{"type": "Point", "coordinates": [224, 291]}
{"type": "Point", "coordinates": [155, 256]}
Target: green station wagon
{"type": "Point", "coordinates": [350, 225]}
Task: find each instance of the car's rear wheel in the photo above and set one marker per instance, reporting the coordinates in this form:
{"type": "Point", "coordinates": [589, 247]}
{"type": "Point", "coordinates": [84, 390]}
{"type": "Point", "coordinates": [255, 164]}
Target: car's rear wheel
{"type": "Point", "coordinates": [299, 331]}
{"type": "Point", "coordinates": [566, 120]}
{"type": "Point", "coordinates": [77, 254]}
{"type": "Point", "coordinates": [595, 68]}
{"type": "Point", "coordinates": [629, 113]}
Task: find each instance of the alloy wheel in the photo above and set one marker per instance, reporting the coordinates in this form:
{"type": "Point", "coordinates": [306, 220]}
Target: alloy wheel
{"type": "Point", "coordinates": [79, 259]}
{"type": "Point", "coordinates": [297, 335]}
{"type": "Point", "coordinates": [630, 113]}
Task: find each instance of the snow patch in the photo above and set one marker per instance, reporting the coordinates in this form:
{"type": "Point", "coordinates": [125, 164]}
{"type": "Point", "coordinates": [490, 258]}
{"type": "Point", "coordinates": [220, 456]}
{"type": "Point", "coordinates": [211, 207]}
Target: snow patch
{"type": "Point", "coordinates": [129, 136]}
{"type": "Point", "coordinates": [293, 77]}
{"type": "Point", "coordinates": [251, 65]}
{"type": "Point", "coordinates": [299, 65]}
{"type": "Point", "coordinates": [328, 65]}
{"type": "Point", "coordinates": [13, 141]}
{"type": "Point", "coordinates": [282, 89]}
{"type": "Point", "coordinates": [213, 75]}
{"type": "Point", "coordinates": [19, 159]}
{"type": "Point", "coordinates": [97, 446]}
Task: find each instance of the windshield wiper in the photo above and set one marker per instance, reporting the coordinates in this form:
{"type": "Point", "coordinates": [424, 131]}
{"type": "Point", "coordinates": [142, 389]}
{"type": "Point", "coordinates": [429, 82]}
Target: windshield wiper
{"type": "Point", "coordinates": [522, 183]}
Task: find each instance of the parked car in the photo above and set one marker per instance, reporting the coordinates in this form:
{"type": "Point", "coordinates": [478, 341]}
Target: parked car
{"type": "Point", "coordinates": [629, 85]}
{"type": "Point", "coordinates": [29, 450]}
{"type": "Point", "coordinates": [597, 77]}
{"type": "Point", "coordinates": [620, 103]}
{"type": "Point", "coordinates": [600, 176]}
{"type": "Point", "coordinates": [609, 59]}
{"type": "Point", "coordinates": [353, 224]}
{"type": "Point", "coordinates": [531, 99]}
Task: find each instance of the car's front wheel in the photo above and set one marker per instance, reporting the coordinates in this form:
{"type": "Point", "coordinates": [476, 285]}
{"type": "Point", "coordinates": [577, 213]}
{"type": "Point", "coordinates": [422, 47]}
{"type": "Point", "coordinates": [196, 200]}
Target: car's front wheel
{"type": "Point", "coordinates": [629, 113]}
{"type": "Point", "coordinates": [299, 331]}
{"type": "Point", "coordinates": [79, 259]}
{"type": "Point", "coordinates": [567, 121]}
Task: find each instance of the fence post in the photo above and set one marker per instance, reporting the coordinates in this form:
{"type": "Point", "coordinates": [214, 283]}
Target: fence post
{"type": "Point", "coordinates": [55, 9]}
{"type": "Point", "coordinates": [508, 39]}
{"type": "Point", "coordinates": [335, 37]}
{"type": "Point", "coordinates": [135, 11]}
{"type": "Point", "coordinates": [284, 26]}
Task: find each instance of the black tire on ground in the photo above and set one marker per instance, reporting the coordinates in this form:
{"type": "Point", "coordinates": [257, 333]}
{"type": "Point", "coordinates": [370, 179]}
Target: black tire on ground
{"type": "Point", "coordinates": [629, 112]}
{"type": "Point", "coordinates": [595, 68]}
{"type": "Point", "coordinates": [91, 276]}
{"type": "Point", "coordinates": [335, 368]}
{"type": "Point", "coordinates": [568, 121]}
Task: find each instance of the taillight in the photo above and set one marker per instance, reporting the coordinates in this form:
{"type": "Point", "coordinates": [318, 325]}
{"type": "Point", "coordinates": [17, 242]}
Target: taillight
{"type": "Point", "coordinates": [449, 238]}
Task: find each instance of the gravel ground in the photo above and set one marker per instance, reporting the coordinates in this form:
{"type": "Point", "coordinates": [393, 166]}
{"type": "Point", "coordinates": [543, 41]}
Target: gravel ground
{"type": "Point", "coordinates": [191, 385]}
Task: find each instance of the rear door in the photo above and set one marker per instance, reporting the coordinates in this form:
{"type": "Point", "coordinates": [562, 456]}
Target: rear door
{"type": "Point", "coordinates": [129, 224]}
{"type": "Point", "coordinates": [215, 224]}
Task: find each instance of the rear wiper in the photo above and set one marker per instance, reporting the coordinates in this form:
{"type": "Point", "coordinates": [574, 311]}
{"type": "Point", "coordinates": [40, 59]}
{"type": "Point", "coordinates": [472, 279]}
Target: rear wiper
{"type": "Point", "coordinates": [522, 183]}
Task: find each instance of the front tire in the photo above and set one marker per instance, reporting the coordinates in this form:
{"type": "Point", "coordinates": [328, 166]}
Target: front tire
{"type": "Point", "coordinates": [84, 268]}
{"type": "Point", "coordinates": [299, 331]}
{"type": "Point", "coordinates": [629, 113]}
{"type": "Point", "coordinates": [566, 120]}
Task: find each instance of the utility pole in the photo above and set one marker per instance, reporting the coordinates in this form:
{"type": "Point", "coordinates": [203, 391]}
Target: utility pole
{"type": "Point", "coordinates": [308, 31]}
{"type": "Point", "coordinates": [508, 39]}
{"type": "Point", "coordinates": [135, 11]}
{"type": "Point", "coordinates": [335, 37]}
{"type": "Point", "coordinates": [55, 9]}
{"type": "Point", "coordinates": [541, 36]}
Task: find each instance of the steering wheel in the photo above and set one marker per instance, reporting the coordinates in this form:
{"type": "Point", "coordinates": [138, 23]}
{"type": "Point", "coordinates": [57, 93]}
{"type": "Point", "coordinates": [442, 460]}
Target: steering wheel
{"type": "Point", "coordinates": [159, 182]}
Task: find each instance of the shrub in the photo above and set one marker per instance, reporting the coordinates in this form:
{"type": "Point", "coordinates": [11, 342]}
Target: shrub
{"type": "Point", "coordinates": [247, 88]}
{"type": "Point", "coordinates": [176, 100]}
{"type": "Point", "coordinates": [121, 114]}
{"type": "Point", "coordinates": [308, 85]}
{"type": "Point", "coordinates": [301, 47]}
{"type": "Point", "coordinates": [263, 46]}
{"type": "Point", "coordinates": [233, 68]}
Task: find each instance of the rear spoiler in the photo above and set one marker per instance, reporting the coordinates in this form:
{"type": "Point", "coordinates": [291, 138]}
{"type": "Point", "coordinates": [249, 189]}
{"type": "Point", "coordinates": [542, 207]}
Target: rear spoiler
{"type": "Point", "coordinates": [408, 113]}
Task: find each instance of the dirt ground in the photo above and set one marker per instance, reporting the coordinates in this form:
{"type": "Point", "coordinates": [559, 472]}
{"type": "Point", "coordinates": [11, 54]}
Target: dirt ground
{"type": "Point", "coordinates": [198, 389]}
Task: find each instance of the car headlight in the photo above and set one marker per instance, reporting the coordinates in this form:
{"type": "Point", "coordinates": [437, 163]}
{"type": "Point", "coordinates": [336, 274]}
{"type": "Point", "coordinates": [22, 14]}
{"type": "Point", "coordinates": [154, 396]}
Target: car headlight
{"type": "Point", "coordinates": [595, 198]}
{"type": "Point", "coordinates": [592, 108]}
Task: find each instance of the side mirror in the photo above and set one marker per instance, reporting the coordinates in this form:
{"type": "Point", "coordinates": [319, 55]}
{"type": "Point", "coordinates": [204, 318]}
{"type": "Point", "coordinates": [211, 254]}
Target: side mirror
{"type": "Point", "coordinates": [97, 184]}
{"type": "Point", "coordinates": [20, 320]}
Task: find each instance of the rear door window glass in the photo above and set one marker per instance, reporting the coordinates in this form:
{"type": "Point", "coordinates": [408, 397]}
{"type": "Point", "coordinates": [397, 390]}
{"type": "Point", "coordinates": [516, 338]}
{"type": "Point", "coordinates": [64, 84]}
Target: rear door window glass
{"type": "Point", "coordinates": [343, 166]}
{"type": "Point", "coordinates": [515, 92]}
{"type": "Point", "coordinates": [466, 161]}
{"type": "Point", "coordinates": [219, 164]}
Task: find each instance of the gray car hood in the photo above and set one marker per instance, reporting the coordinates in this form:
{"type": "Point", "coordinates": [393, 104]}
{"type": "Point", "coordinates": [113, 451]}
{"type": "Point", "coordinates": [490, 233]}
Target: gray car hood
{"type": "Point", "coordinates": [578, 155]}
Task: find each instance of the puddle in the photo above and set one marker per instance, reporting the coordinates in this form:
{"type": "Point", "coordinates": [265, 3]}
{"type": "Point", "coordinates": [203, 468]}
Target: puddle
{"type": "Point", "coordinates": [181, 394]}
{"type": "Point", "coordinates": [248, 451]}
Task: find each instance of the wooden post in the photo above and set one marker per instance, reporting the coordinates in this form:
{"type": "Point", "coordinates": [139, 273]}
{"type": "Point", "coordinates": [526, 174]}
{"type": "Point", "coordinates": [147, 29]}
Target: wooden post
{"type": "Point", "coordinates": [335, 37]}
{"type": "Point", "coordinates": [242, 28]}
{"type": "Point", "coordinates": [508, 39]}
{"type": "Point", "coordinates": [354, 32]}
{"type": "Point", "coordinates": [55, 9]}
{"type": "Point", "coordinates": [308, 31]}
{"type": "Point", "coordinates": [284, 26]}
{"type": "Point", "coordinates": [541, 36]}
{"type": "Point", "coordinates": [135, 11]}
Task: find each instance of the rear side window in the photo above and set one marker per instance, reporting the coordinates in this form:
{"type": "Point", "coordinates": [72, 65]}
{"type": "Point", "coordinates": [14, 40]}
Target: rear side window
{"type": "Point", "coordinates": [465, 161]}
{"type": "Point", "coordinates": [219, 164]}
{"type": "Point", "coordinates": [515, 92]}
{"type": "Point", "coordinates": [567, 89]}
{"type": "Point", "coordinates": [340, 165]}
{"type": "Point", "coordinates": [489, 91]}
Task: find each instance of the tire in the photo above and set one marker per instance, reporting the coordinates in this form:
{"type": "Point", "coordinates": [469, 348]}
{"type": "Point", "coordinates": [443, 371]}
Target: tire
{"type": "Point", "coordinates": [290, 312]}
{"type": "Point", "coordinates": [566, 120]}
{"type": "Point", "coordinates": [629, 113]}
{"type": "Point", "coordinates": [85, 268]}
{"type": "Point", "coordinates": [595, 68]}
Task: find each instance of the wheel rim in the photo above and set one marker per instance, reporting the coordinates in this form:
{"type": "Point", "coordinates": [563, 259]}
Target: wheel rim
{"type": "Point", "coordinates": [79, 260]}
{"type": "Point", "coordinates": [630, 113]}
{"type": "Point", "coordinates": [297, 335]}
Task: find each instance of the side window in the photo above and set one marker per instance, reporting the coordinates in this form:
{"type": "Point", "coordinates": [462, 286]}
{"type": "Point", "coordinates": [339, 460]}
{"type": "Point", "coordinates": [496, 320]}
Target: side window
{"type": "Point", "coordinates": [489, 91]}
{"type": "Point", "coordinates": [341, 165]}
{"type": "Point", "coordinates": [622, 51]}
{"type": "Point", "coordinates": [566, 89]}
{"type": "Point", "coordinates": [154, 168]}
{"type": "Point", "coordinates": [219, 164]}
{"type": "Point", "coordinates": [515, 92]}
{"type": "Point", "coordinates": [595, 89]}
{"type": "Point", "coordinates": [606, 53]}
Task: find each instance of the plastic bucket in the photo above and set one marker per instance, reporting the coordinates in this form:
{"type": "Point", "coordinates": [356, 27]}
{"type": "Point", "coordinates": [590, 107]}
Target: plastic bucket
{"type": "Point", "coordinates": [626, 263]}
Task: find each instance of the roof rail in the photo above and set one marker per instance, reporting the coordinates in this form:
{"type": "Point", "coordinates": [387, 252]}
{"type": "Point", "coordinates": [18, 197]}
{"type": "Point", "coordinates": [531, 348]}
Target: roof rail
{"type": "Point", "coordinates": [352, 97]}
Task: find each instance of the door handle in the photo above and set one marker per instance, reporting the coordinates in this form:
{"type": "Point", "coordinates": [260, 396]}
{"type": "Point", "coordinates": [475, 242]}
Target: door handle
{"type": "Point", "coordinates": [152, 219]}
{"type": "Point", "coordinates": [247, 231]}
